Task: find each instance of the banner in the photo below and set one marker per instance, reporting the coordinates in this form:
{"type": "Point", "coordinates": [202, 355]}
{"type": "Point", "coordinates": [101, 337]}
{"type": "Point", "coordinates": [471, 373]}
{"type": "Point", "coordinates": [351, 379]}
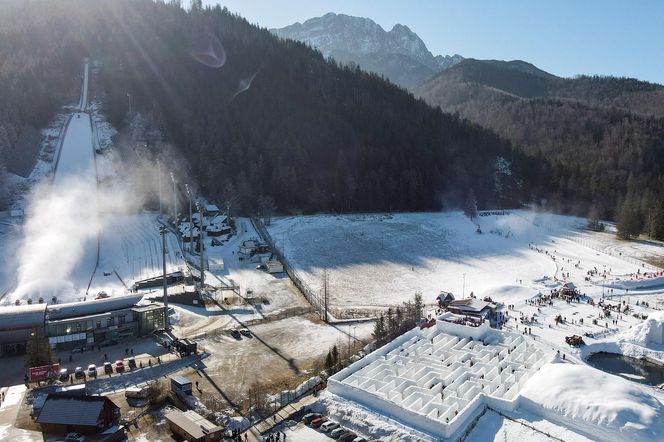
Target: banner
{"type": "Point", "coordinates": [43, 373]}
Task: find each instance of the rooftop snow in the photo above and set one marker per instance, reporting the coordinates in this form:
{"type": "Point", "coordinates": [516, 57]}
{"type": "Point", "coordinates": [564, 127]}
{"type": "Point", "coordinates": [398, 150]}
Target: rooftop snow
{"type": "Point", "coordinates": [435, 379]}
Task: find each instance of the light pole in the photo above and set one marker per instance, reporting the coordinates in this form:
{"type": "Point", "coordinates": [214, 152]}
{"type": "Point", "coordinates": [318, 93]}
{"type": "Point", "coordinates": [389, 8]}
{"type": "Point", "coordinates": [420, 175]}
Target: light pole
{"type": "Point", "coordinates": [175, 201]}
{"type": "Point", "coordinates": [129, 99]}
{"type": "Point", "coordinates": [191, 231]}
{"type": "Point", "coordinates": [162, 231]}
{"type": "Point", "coordinates": [463, 290]}
{"type": "Point", "coordinates": [159, 177]}
{"type": "Point", "coordinates": [201, 233]}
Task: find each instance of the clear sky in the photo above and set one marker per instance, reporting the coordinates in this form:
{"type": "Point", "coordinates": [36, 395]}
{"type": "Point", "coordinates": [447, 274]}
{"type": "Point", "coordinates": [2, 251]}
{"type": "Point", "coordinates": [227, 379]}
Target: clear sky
{"type": "Point", "coordinates": [564, 37]}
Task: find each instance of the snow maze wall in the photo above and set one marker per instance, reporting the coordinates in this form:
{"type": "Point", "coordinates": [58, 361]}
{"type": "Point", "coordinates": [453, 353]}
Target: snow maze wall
{"type": "Point", "coordinates": [438, 379]}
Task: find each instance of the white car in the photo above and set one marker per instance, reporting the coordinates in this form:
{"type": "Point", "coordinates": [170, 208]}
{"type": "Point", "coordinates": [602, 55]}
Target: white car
{"type": "Point", "coordinates": [329, 426]}
{"type": "Point", "coordinates": [92, 370]}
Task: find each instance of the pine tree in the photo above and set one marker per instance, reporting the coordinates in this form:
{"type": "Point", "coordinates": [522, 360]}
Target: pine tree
{"type": "Point", "coordinates": [470, 208]}
{"type": "Point", "coordinates": [379, 332]}
{"type": "Point", "coordinates": [329, 363]}
{"type": "Point", "coordinates": [629, 222]}
{"type": "Point", "coordinates": [335, 356]}
{"type": "Point", "coordinates": [38, 350]}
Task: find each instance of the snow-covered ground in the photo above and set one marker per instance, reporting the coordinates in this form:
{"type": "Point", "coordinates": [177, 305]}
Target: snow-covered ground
{"type": "Point", "coordinates": [378, 260]}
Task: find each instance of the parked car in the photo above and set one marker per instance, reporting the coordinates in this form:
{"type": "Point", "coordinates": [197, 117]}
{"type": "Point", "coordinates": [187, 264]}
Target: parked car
{"type": "Point", "coordinates": [349, 437]}
{"type": "Point", "coordinates": [307, 418]}
{"type": "Point", "coordinates": [64, 375]}
{"type": "Point", "coordinates": [75, 437]}
{"type": "Point", "coordinates": [92, 370]}
{"type": "Point", "coordinates": [338, 432]}
{"type": "Point", "coordinates": [245, 332]}
{"type": "Point", "coordinates": [236, 334]}
{"type": "Point", "coordinates": [79, 373]}
{"type": "Point", "coordinates": [119, 366]}
{"type": "Point", "coordinates": [359, 439]}
{"type": "Point", "coordinates": [132, 363]}
{"type": "Point", "coordinates": [108, 368]}
{"type": "Point", "coordinates": [317, 422]}
{"type": "Point", "coordinates": [329, 426]}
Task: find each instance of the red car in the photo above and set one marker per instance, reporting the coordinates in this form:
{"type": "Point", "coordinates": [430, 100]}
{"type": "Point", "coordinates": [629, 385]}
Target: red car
{"type": "Point", "coordinates": [119, 366]}
{"type": "Point", "coordinates": [317, 422]}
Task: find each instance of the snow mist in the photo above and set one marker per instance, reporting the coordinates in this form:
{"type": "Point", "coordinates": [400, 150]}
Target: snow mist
{"type": "Point", "coordinates": [60, 243]}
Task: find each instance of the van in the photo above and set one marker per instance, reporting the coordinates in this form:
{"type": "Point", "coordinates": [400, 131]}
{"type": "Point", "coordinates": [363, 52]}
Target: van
{"type": "Point", "coordinates": [136, 393]}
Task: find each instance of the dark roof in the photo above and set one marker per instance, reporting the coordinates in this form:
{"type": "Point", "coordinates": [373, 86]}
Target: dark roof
{"type": "Point", "coordinates": [72, 410]}
{"type": "Point", "coordinates": [469, 304]}
{"type": "Point", "coordinates": [180, 380]}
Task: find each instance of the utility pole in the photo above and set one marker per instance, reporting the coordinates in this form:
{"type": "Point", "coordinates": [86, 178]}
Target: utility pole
{"type": "Point", "coordinates": [349, 344]}
{"type": "Point", "coordinates": [175, 201]}
{"type": "Point", "coordinates": [201, 237]}
{"type": "Point", "coordinates": [325, 294]}
{"type": "Point", "coordinates": [160, 197]}
{"type": "Point", "coordinates": [191, 230]}
{"type": "Point", "coordinates": [162, 232]}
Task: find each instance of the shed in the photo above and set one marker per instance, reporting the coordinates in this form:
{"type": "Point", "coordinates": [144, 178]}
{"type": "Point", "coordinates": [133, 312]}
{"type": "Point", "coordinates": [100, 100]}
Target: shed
{"type": "Point", "coordinates": [192, 427]}
{"type": "Point", "coordinates": [65, 413]}
{"type": "Point", "coordinates": [181, 384]}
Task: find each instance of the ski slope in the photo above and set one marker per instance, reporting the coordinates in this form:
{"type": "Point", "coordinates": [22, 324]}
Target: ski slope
{"type": "Point", "coordinates": [374, 261]}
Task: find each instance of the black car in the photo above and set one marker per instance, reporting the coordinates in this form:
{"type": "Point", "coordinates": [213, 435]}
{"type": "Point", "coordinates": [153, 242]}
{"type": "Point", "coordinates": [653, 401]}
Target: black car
{"type": "Point", "coordinates": [132, 363]}
{"type": "Point", "coordinates": [64, 375]}
{"type": "Point", "coordinates": [108, 368]}
{"type": "Point", "coordinates": [236, 334]}
{"type": "Point", "coordinates": [79, 373]}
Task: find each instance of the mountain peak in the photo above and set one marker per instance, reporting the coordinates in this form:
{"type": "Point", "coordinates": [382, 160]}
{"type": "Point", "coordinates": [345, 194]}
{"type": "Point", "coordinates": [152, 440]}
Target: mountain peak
{"type": "Point", "coordinates": [399, 54]}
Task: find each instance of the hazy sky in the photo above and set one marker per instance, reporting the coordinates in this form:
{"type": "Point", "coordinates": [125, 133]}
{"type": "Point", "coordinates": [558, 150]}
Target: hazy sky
{"type": "Point", "coordinates": [565, 37]}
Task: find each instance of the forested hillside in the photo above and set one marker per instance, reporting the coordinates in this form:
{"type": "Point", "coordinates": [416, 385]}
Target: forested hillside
{"type": "Point", "coordinates": [253, 115]}
{"type": "Point", "coordinates": [603, 136]}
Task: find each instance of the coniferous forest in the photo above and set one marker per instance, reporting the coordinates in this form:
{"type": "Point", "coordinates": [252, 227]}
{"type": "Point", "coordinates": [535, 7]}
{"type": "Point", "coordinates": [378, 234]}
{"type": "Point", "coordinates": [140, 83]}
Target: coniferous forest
{"type": "Point", "coordinates": [254, 118]}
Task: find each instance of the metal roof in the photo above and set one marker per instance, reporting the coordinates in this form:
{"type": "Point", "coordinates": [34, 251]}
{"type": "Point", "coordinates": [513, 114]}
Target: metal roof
{"type": "Point", "coordinates": [70, 410]}
{"type": "Point", "coordinates": [193, 423]}
{"type": "Point", "coordinates": [22, 317]}
{"type": "Point", "coordinates": [92, 307]}
{"type": "Point", "coordinates": [180, 380]}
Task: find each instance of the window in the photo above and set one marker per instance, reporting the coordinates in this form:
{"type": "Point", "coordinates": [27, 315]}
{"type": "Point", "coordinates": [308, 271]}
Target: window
{"type": "Point", "coordinates": [98, 323]}
{"type": "Point", "coordinates": [78, 327]}
{"type": "Point", "coordinates": [109, 321]}
{"type": "Point", "coordinates": [122, 319]}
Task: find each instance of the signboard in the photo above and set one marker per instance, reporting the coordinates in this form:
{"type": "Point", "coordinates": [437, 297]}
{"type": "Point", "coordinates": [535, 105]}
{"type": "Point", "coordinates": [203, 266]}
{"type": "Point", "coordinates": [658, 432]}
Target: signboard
{"type": "Point", "coordinates": [43, 373]}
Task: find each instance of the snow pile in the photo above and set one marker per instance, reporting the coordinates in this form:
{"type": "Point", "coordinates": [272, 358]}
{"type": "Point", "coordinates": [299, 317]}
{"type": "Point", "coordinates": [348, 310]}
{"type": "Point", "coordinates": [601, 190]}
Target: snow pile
{"type": "Point", "coordinates": [595, 403]}
{"type": "Point", "coordinates": [300, 390]}
{"type": "Point", "coordinates": [635, 283]}
{"type": "Point", "coordinates": [362, 421]}
{"type": "Point", "coordinates": [650, 331]}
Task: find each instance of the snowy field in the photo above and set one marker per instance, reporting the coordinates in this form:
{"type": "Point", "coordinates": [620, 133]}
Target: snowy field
{"type": "Point", "coordinates": [374, 261]}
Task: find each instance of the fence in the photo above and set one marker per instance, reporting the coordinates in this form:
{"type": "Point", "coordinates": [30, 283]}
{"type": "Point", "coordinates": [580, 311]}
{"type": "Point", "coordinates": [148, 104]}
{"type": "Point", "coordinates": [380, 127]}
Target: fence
{"type": "Point", "coordinates": [311, 296]}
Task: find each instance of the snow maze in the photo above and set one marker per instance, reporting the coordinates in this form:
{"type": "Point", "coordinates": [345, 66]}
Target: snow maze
{"type": "Point", "coordinates": [437, 379]}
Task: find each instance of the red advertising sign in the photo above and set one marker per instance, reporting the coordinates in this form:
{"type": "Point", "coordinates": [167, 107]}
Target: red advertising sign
{"type": "Point", "coordinates": [43, 373]}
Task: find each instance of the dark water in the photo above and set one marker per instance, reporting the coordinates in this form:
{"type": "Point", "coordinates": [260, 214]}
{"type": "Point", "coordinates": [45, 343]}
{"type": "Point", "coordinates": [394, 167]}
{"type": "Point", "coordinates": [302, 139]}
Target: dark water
{"type": "Point", "coordinates": [633, 369]}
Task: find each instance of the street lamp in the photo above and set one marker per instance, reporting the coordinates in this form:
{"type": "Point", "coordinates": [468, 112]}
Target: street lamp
{"type": "Point", "coordinates": [191, 231]}
{"type": "Point", "coordinates": [175, 201]}
{"type": "Point", "coordinates": [463, 290]}
{"type": "Point", "coordinates": [162, 232]}
{"type": "Point", "coordinates": [201, 235]}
